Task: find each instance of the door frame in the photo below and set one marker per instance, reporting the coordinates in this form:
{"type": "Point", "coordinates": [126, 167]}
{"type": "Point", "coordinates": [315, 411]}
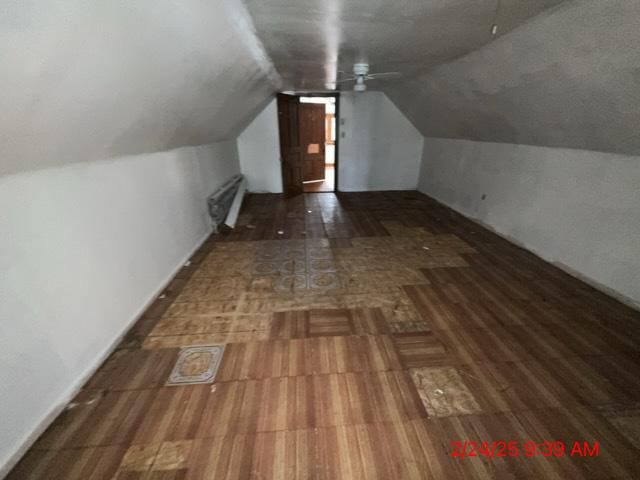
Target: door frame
{"type": "Point", "coordinates": [336, 95]}
{"type": "Point", "coordinates": [286, 102]}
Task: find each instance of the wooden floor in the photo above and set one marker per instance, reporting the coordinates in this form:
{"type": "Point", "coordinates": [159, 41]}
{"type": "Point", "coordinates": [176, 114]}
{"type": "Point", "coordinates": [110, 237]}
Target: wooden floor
{"type": "Point", "coordinates": [365, 335]}
{"type": "Point", "coordinates": [327, 185]}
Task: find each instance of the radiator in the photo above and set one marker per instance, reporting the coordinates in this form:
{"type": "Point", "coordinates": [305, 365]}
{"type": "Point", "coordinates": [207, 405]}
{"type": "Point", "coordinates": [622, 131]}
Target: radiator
{"type": "Point", "coordinates": [224, 204]}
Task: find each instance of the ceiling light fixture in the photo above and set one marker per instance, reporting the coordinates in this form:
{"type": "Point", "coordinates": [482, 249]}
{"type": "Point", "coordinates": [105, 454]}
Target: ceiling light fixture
{"type": "Point", "coordinates": [361, 75]}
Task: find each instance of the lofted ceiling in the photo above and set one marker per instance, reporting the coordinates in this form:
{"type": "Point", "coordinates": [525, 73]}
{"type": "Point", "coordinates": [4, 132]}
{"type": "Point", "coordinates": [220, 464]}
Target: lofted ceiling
{"type": "Point", "coordinates": [309, 41]}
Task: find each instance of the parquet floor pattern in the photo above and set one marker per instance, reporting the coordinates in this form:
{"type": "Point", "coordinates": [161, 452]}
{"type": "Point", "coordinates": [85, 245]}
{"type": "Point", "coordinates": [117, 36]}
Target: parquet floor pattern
{"type": "Point", "coordinates": [364, 333]}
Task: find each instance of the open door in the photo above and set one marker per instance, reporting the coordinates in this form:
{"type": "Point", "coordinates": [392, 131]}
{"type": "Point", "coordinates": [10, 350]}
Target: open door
{"type": "Point", "coordinates": [312, 140]}
{"type": "Point", "coordinates": [290, 147]}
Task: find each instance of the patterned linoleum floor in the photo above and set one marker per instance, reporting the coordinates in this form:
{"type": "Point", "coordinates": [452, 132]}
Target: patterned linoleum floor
{"type": "Point", "coordinates": [364, 335]}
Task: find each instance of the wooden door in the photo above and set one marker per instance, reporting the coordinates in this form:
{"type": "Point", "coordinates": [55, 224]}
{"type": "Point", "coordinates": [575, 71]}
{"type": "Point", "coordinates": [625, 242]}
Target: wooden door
{"type": "Point", "coordinates": [312, 138]}
{"type": "Point", "coordinates": [290, 149]}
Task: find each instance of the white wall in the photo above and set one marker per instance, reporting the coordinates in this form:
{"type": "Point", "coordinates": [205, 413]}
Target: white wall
{"type": "Point", "coordinates": [578, 208]}
{"type": "Point", "coordinates": [85, 80]}
{"type": "Point", "coordinates": [259, 151]}
{"type": "Point", "coordinates": [92, 222]}
{"type": "Point", "coordinates": [379, 149]}
{"type": "Point", "coordinates": [83, 248]}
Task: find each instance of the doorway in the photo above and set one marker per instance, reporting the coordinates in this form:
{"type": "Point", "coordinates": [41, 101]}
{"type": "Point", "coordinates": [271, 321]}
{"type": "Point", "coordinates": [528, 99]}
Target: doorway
{"type": "Point", "coordinates": [308, 127]}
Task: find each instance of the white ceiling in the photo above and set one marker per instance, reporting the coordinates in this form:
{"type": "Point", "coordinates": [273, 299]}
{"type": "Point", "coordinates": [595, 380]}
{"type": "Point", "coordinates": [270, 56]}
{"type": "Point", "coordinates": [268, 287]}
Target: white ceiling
{"type": "Point", "coordinates": [310, 40]}
{"type": "Point", "coordinates": [91, 80]}
{"type": "Point", "coordinates": [558, 73]}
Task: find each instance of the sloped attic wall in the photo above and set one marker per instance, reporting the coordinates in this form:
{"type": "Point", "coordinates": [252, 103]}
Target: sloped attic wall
{"type": "Point", "coordinates": [101, 199]}
{"type": "Point", "coordinates": [568, 78]}
{"type": "Point", "coordinates": [85, 81]}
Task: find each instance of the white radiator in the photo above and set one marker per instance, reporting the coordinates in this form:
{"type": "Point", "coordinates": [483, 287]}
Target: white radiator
{"type": "Point", "coordinates": [224, 204]}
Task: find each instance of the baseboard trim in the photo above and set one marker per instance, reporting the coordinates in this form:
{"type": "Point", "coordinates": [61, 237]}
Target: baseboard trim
{"type": "Point", "coordinates": [622, 298]}
{"type": "Point", "coordinates": [53, 413]}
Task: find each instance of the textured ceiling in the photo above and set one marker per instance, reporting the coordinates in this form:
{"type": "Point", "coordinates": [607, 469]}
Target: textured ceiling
{"type": "Point", "coordinates": [569, 78]}
{"type": "Point", "coordinates": [559, 73]}
{"type": "Point", "coordinates": [84, 80]}
{"type": "Point", "coordinates": [91, 80]}
{"type": "Point", "coordinates": [310, 40]}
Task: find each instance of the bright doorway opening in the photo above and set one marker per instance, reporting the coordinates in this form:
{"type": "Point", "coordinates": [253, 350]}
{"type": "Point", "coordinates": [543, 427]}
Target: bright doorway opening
{"type": "Point", "coordinates": [318, 123]}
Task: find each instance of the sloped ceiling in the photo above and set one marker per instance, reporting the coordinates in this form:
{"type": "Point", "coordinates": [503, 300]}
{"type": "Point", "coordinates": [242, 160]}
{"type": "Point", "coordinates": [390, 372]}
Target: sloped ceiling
{"type": "Point", "coordinates": [559, 73]}
{"type": "Point", "coordinates": [569, 78]}
{"type": "Point", "coordinates": [88, 80]}
{"type": "Point", "coordinates": [311, 40]}
{"type": "Point", "coordinates": [84, 80]}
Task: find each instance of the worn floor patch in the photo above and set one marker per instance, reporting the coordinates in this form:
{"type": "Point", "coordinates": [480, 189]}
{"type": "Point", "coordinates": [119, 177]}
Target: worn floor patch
{"type": "Point", "coordinates": [196, 365]}
{"type": "Point", "coordinates": [443, 392]}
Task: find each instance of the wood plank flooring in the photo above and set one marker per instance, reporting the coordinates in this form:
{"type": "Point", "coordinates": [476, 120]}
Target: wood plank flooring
{"type": "Point", "coordinates": [365, 334]}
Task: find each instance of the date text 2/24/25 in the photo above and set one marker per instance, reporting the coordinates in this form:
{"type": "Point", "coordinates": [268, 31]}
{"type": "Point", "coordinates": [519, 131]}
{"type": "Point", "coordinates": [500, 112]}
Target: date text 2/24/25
{"type": "Point", "coordinates": [529, 448]}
